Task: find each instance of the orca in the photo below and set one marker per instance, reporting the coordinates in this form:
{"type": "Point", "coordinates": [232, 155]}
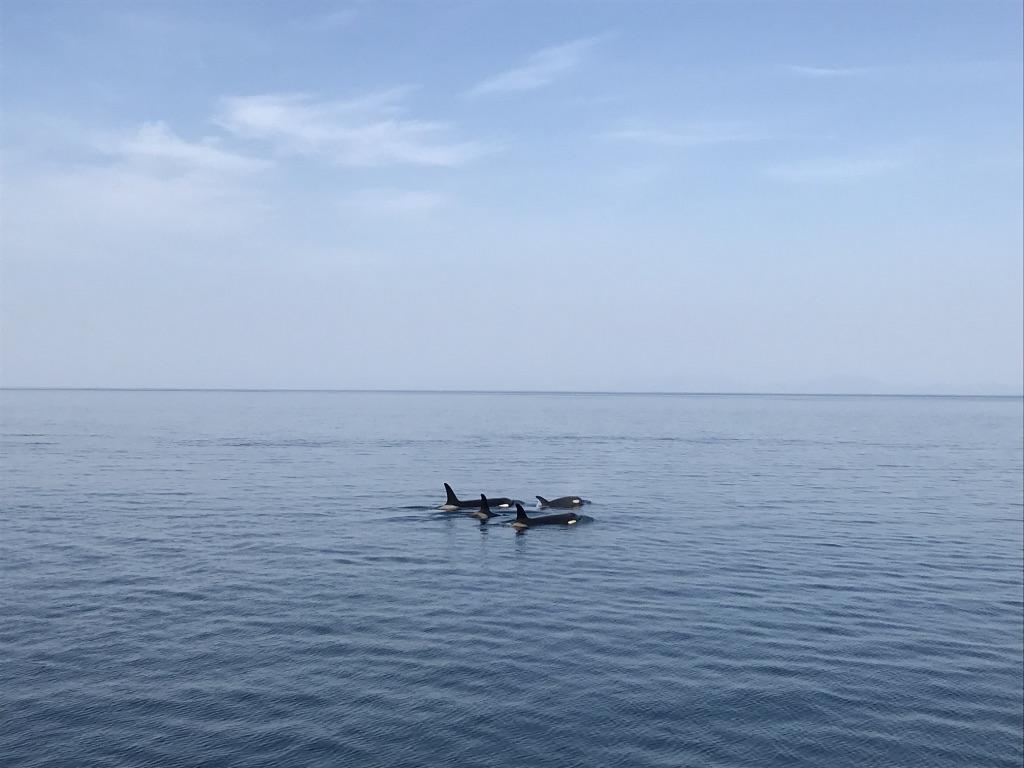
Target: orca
{"type": "Point", "coordinates": [562, 502]}
{"type": "Point", "coordinates": [454, 503]}
{"type": "Point", "coordinates": [484, 513]}
{"type": "Point", "coordinates": [522, 521]}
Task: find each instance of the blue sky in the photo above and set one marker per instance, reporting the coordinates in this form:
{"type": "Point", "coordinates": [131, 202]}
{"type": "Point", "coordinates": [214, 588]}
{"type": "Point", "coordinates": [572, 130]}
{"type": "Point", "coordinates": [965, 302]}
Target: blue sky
{"type": "Point", "coordinates": [677, 196]}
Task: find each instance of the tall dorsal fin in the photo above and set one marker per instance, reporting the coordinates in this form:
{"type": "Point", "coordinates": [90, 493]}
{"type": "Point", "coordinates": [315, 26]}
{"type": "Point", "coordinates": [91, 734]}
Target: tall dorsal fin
{"type": "Point", "coordinates": [452, 498]}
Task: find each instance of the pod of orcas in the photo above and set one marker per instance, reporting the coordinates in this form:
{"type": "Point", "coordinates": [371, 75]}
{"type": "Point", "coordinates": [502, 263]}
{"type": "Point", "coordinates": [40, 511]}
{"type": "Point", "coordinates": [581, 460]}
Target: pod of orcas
{"type": "Point", "coordinates": [483, 509]}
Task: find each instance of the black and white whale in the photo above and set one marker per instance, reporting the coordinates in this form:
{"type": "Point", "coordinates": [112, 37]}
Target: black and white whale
{"type": "Point", "coordinates": [562, 502]}
{"type": "Point", "coordinates": [454, 503]}
{"type": "Point", "coordinates": [522, 521]}
{"type": "Point", "coordinates": [484, 513]}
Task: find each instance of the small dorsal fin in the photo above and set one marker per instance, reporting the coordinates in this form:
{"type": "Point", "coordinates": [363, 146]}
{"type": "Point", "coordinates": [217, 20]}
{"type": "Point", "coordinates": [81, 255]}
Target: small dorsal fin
{"type": "Point", "coordinates": [520, 513]}
{"type": "Point", "coordinates": [542, 500]}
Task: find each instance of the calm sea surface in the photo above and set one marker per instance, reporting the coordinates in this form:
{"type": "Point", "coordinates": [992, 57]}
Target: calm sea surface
{"type": "Point", "coordinates": [261, 579]}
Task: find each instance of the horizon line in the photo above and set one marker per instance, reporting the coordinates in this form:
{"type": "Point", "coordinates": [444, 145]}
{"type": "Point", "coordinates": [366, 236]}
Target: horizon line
{"type": "Point", "coordinates": [363, 390]}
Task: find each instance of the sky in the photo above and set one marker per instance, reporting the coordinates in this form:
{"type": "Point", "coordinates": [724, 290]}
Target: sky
{"type": "Point", "coordinates": [692, 196]}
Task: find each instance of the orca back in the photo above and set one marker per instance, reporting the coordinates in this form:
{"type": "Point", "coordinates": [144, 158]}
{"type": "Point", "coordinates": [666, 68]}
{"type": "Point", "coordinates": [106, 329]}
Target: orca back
{"type": "Point", "coordinates": [563, 502]}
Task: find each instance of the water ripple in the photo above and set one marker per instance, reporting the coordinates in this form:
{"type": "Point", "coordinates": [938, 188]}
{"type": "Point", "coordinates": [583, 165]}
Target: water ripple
{"type": "Point", "coordinates": [766, 582]}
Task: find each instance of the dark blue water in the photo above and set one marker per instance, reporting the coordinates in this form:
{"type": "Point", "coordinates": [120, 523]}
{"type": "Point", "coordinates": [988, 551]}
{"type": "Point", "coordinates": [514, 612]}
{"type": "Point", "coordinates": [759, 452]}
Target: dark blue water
{"type": "Point", "coordinates": [257, 579]}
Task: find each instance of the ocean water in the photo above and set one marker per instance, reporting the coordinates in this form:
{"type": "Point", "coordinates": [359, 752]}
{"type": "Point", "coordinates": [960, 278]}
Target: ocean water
{"type": "Point", "coordinates": [262, 579]}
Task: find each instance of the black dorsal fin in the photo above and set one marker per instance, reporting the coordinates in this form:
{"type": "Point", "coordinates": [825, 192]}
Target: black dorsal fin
{"type": "Point", "coordinates": [452, 498]}
{"type": "Point", "coordinates": [484, 506]}
{"type": "Point", "coordinates": [520, 513]}
{"type": "Point", "coordinates": [542, 500]}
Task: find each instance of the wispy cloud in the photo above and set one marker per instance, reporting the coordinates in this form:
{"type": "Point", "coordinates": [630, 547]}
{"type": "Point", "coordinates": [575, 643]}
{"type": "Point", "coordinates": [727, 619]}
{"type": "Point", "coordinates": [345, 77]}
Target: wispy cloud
{"type": "Point", "coordinates": [156, 143]}
{"type": "Point", "coordinates": [128, 192]}
{"type": "Point", "coordinates": [823, 73]}
{"type": "Point", "coordinates": [830, 169]}
{"type": "Point", "coordinates": [684, 137]}
{"type": "Point", "coordinates": [121, 210]}
{"type": "Point", "coordinates": [370, 131]}
{"type": "Point", "coordinates": [540, 69]}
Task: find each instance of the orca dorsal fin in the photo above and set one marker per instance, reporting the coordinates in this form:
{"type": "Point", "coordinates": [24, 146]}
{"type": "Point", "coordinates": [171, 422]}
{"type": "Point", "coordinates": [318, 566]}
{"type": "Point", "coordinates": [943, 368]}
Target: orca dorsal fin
{"type": "Point", "coordinates": [452, 498]}
{"type": "Point", "coordinates": [484, 506]}
{"type": "Point", "coordinates": [543, 501]}
{"type": "Point", "coordinates": [520, 513]}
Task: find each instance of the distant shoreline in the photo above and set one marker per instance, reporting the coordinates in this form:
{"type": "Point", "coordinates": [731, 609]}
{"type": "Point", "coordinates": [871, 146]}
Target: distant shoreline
{"type": "Point", "coordinates": [603, 393]}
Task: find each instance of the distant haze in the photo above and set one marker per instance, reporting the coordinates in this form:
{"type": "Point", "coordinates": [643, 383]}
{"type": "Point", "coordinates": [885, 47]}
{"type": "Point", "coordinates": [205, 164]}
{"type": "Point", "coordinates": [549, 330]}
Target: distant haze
{"type": "Point", "coordinates": [691, 196]}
